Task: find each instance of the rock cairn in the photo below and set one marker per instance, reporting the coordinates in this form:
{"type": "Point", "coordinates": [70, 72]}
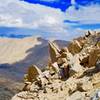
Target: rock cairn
{"type": "Point", "coordinates": [73, 72]}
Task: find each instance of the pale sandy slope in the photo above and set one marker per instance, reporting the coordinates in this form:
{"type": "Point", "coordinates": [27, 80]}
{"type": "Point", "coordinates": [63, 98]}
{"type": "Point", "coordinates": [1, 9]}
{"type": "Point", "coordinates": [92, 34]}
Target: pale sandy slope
{"type": "Point", "coordinates": [14, 50]}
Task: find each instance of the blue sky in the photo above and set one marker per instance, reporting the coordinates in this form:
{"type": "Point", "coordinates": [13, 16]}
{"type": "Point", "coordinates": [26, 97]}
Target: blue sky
{"type": "Point", "coordinates": [64, 4]}
{"type": "Point", "coordinates": [60, 19]}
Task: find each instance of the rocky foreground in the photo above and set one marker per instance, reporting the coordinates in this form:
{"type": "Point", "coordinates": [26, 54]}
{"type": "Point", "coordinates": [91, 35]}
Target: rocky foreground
{"type": "Point", "coordinates": [16, 55]}
{"type": "Point", "coordinates": [73, 73]}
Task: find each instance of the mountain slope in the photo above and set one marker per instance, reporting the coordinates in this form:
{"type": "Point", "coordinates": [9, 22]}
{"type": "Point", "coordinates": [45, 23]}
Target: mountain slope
{"type": "Point", "coordinates": [16, 55]}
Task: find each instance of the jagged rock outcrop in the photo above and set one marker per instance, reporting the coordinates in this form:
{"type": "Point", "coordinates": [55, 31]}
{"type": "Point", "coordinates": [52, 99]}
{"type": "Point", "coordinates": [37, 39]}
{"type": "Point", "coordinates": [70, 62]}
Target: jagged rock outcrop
{"type": "Point", "coordinates": [33, 72]}
{"type": "Point", "coordinates": [72, 74]}
{"type": "Point", "coordinates": [54, 52]}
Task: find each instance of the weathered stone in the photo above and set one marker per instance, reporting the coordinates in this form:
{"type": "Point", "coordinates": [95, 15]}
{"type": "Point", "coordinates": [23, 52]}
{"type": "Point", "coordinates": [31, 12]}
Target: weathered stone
{"type": "Point", "coordinates": [74, 47]}
{"type": "Point", "coordinates": [84, 59]}
{"type": "Point", "coordinates": [69, 57]}
{"type": "Point", "coordinates": [96, 95]}
{"type": "Point", "coordinates": [55, 67]}
{"type": "Point", "coordinates": [66, 54]}
{"type": "Point", "coordinates": [33, 72]}
{"type": "Point", "coordinates": [75, 65]}
{"type": "Point", "coordinates": [61, 61]}
{"type": "Point", "coordinates": [34, 88]}
{"type": "Point", "coordinates": [96, 80]}
{"type": "Point", "coordinates": [64, 49]}
{"type": "Point", "coordinates": [46, 74]}
{"type": "Point", "coordinates": [93, 57]}
{"type": "Point", "coordinates": [85, 86]}
{"type": "Point", "coordinates": [25, 95]}
{"type": "Point", "coordinates": [41, 81]}
{"type": "Point", "coordinates": [54, 52]}
{"type": "Point", "coordinates": [87, 34]}
{"type": "Point", "coordinates": [81, 40]}
{"type": "Point", "coordinates": [76, 96]}
{"type": "Point", "coordinates": [66, 78]}
{"type": "Point", "coordinates": [56, 86]}
{"type": "Point", "coordinates": [27, 86]}
{"type": "Point", "coordinates": [71, 85]}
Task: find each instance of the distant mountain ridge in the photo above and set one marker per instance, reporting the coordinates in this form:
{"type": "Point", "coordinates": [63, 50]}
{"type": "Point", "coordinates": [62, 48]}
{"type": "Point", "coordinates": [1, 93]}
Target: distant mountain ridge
{"type": "Point", "coordinates": [16, 55]}
{"type": "Point", "coordinates": [15, 32]}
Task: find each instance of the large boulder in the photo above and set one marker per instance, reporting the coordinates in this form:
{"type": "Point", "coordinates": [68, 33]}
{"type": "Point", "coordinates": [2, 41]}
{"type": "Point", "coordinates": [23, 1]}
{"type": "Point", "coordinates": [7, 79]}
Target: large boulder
{"type": "Point", "coordinates": [74, 47]}
{"type": "Point", "coordinates": [32, 74]}
{"type": "Point", "coordinates": [54, 52]}
{"type": "Point", "coordinates": [93, 57]}
{"type": "Point", "coordinates": [75, 65]}
{"type": "Point", "coordinates": [84, 59]}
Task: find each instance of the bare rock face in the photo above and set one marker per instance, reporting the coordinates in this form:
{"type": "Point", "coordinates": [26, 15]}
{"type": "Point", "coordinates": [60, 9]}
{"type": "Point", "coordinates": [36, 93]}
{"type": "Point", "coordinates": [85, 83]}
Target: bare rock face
{"type": "Point", "coordinates": [55, 67]}
{"type": "Point", "coordinates": [76, 96]}
{"type": "Point", "coordinates": [93, 57]}
{"type": "Point", "coordinates": [33, 72]}
{"type": "Point", "coordinates": [84, 59]}
{"type": "Point", "coordinates": [73, 73]}
{"type": "Point", "coordinates": [75, 65]}
{"type": "Point", "coordinates": [96, 80]}
{"type": "Point", "coordinates": [85, 86]}
{"type": "Point", "coordinates": [25, 95]}
{"type": "Point", "coordinates": [74, 47]}
{"type": "Point", "coordinates": [54, 52]}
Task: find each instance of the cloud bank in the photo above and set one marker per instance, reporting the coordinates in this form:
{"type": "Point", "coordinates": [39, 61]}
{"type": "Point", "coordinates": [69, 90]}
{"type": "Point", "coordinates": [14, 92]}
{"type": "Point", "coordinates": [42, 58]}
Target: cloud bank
{"type": "Point", "coordinates": [47, 21]}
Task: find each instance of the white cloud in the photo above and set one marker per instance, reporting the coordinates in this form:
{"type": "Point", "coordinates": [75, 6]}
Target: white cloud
{"type": "Point", "coordinates": [22, 14]}
{"type": "Point", "coordinates": [85, 15]}
{"type": "Point", "coordinates": [46, 19]}
{"type": "Point", "coordinates": [73, 2]}
{"type": "Point", "coordinates": [9, 21]}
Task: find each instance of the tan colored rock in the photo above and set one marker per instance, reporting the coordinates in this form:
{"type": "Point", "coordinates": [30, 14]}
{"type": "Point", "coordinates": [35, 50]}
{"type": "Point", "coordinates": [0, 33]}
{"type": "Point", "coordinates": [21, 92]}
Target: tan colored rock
{"type": "Point", "coordinates": [69, 57]}
{"type": "Point", "coordinates": [66, 54]}
{"type": "Point", "coordinates": [33, 72]}
{"type": "Point", "coordinates": [54, 52]}
{"type": "Point", "coordinates": [55, 67]}
{"type": "Point", "coordinates": [93, 57]}
{"type": "Point", "coordinates": [96, 80]}
{"type": "Point", "coordinates": [71, 85]}
{"type": "Point", "coordinates": [34, 88]}
{"type": "Point", "coordinates": [27, 86]}
{"type": "Point", "coordinates": [75, 65]}
{"type": "Point", "coordinates": [86, 86]}
{"type": "Point", "coordinates": [25, 95]}
{"type": "Point", "coordinates": [77, 96]}
{"type": "Point", "coordinates": [64, 49]}
{"type": "Point", "coordinates": [84, 59]}
{"type": "Point", "coordinates": [61, 61]}
{"type": "Point", "coordinates": [66, 78]}
{"type": "Point", "coordinates": [81, 40]}
{"type": "Point", "coordinates": [74, 47]}
{"type": "Point", "coordinates": [42, 81]}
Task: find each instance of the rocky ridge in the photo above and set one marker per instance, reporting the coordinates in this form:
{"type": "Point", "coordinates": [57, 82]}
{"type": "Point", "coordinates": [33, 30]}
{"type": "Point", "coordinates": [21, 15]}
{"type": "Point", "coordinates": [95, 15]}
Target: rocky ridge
{"type": "Point", "coordinates": [72, 72]}
{"type": "Point", "coordinates": [15, 57]}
